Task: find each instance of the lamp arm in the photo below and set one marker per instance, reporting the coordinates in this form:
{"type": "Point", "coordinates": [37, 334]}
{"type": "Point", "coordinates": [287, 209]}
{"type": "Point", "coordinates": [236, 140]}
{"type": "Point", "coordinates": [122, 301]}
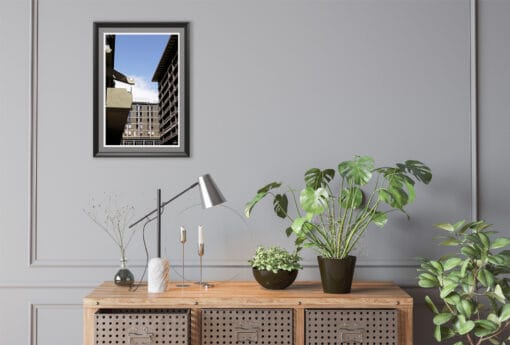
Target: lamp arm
{"type": "Point", "coordinates": [164, 204]}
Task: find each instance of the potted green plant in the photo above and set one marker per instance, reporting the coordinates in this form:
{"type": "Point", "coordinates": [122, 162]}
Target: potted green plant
{"type": "Point", "coordinates": [474, 293]}
{"type": "Point", "coordinates": [332, 217]}
{"type": "Point", "coordinates": [275, 268]}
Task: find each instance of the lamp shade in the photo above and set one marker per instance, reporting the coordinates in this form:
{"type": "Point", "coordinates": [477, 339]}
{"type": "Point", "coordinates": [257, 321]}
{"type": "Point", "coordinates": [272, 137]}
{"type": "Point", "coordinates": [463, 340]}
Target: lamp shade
{"type": "Point", "coordinates": [211, 195]}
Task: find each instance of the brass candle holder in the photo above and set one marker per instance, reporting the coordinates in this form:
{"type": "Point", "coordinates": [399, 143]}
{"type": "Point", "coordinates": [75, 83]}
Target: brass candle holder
{"type": "Point", "coordinates": [201, 252]}
{"type": "Point", "coordinates": [183, 242]}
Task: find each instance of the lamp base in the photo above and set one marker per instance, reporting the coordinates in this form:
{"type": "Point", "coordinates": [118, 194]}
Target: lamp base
{"type": "Point", "coordinates": [158, 274]}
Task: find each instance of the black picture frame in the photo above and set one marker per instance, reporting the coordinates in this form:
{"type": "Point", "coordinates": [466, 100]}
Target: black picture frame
{"type": "Point", "coordinates": [111, 103]}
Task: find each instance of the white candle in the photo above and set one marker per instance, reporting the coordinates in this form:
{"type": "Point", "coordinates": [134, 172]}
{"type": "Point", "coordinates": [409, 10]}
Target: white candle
{"type": "Point", "coordinates": [200, 234]}
{"type": "Point", "coordinates": [183, 234]}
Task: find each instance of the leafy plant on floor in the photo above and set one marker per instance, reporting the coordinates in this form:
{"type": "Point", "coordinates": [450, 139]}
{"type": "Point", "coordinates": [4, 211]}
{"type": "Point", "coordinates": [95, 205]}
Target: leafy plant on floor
{"type": "Point", "coordinates": [474, 293]}
{"type": "Point", "coordinates": [275, 259]}
{"type": "Point", "coordinates": [333, 223]}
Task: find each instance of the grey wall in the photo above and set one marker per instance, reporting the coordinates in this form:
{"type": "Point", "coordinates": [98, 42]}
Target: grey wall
{"type": "Point", "coordinates": [276, 87]}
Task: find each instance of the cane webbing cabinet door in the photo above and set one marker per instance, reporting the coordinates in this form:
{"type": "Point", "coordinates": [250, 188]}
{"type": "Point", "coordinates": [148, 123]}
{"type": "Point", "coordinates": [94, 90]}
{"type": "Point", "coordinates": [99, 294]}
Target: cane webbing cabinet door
{"type": "Point", "coordinates": [374, 313]}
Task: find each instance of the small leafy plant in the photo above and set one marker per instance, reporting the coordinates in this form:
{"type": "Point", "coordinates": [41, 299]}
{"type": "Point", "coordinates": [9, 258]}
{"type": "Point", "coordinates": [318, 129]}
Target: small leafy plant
{"type": "Point", "coordinates": [275, 259]}
{"type": "Point", "coordinates": [332, 217]}
{"type": "Point", "coordinates": [474, 292]}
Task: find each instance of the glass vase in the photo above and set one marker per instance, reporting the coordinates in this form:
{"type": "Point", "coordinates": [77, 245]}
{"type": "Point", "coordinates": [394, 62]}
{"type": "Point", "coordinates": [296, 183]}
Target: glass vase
{"type": "Point", "coordinates": [124, 277]}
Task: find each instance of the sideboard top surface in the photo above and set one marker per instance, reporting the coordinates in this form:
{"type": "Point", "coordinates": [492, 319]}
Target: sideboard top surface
{"type": "Point", "coordinates": [237, 294]}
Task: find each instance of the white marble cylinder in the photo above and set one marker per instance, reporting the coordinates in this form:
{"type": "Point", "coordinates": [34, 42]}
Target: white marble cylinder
{"type": "Point", "coordinates": [157, 275]}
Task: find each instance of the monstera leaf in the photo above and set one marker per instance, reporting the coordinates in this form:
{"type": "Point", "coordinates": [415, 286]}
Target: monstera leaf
{"type": "Point", "coordinates": [315, 178]}
{"type": "Point", "coordinates": [280, 204]}
{"type": "Point", "coordinates": [261, 193]}
{"type": "Point", "coordinates": [300, 226]}
{"type": "Point", "coordinates": [417, 169]}
{"type": "Point", "coordinates": [357, 171]}
{"type": "Point", "coordinates": [314, 201]}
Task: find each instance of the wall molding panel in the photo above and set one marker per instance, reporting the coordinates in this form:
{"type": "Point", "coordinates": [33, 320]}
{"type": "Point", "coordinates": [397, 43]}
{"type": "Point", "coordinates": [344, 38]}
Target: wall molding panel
{"type": "Point", "coordinates": [35, 261]}
{"type": "Point", "coordinates": [474, 108]}
{"type": "Point", "coordinates": [33, 84]}
{"type": "Point", "coordinates": [33, 318]}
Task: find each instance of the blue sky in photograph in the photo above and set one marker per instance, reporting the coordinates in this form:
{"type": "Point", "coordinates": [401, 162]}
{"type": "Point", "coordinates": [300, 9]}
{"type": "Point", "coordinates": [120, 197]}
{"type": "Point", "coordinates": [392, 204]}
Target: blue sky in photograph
{"type": "Point", "coordinates": [137, 56]}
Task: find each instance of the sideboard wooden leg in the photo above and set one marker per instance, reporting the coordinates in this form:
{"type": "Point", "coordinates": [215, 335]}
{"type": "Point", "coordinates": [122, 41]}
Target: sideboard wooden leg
{"type": "Point", "coordinates": [88, 325]}
{"type": "Point", "coordinates": [405, 322]}
{"type": "Point", "coordinates": [196, 325]}
{"type": "Point", "coordinates": [299, 326]}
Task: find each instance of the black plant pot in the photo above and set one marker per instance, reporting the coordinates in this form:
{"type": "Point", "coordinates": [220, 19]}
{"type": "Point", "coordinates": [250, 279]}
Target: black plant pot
{"type": "Point", "coordinates": [275, 281]}
{"type": "Point", "coordinates": [336, 274]}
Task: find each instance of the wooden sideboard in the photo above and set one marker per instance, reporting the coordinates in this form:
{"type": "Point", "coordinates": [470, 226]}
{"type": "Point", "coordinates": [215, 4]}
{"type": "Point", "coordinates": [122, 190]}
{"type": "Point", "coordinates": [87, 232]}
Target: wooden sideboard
{"type": "Point", "coordinates": [301, 298]}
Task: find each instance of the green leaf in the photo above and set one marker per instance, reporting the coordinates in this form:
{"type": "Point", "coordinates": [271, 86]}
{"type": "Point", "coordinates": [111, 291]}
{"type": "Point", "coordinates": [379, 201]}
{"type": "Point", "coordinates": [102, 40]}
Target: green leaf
{"type": "Point", "coordinates": [459, 343]}
{"type": "Point", "coordinates": [484, 328]}
{"type": "Point", "coordinates": [447, 289]}
{"type": "Point", "coordinates": [492, 317]}
{"type": "Point", "coordinates": [459, 224]}
{"type": "Point", "coordinates": [288, 231]}
{"type": "Point", "coordinates": [280, 204]}
{"type": "Point", "coordinates": [500, 242]}
{"type": "Point", "coordinates": [437, 333]}
{"type": "Point", "coordinates": [314, 201]}
{"type": "Point", "coordinates": [437, 266]}
{"type": "Point", "coordinates": [357, 171]}
{"type": "Point", "coordinates": [470, 252]}
{"type": "Point", "coordinates": [380, 219]}
{"type": "Point", "coordinates": [299, 225]}
{"type": "Point", "coordinates": [442, 333]}
{"type": "Point", "coordinates": [479, 226]}
{"type": "Point", "coordinates": [498, 260]}
{"type": "Point", "coordinates": [442, 318]}
{"type": "Point", "coordinates": [446, 226]}
{"type": "Point", "coordinates": [451, 263]}
{"type": "Point", "coordinates": [485, 277]}
{"type": "Point", "coordinates": [498, 292]}
{"type": "Point", "coordinates": [269, 186]}
{"type": "Point", "coordinates": [465, 308]}
{"type": "Point", "coordinates": [385, 196]}
{"type": "Point", "coordinates": [419, 170]}
{"type": "Point", "coordinates": [426, 283]}
{"type": "Point", "coordinates": [484, 239]}
{"type": "Point", "coordinates": [261, 193]}
{"type": "Point", "coordinates": [429, 276]}
{"type": "Point", "coordinates": [450, 242]}
{"type": "Point", "coordinates": [431, 305]}
{"type": "Point", "coordinates": [452, 299]}
{"type": "Point", "coordinates": [410, 191]}
{"type": "Point", "coordinates": [505, 313]}
{"type": "Point", "coordinates": [463, 268]}
{"type": "Point", "coordinates": [465, 327]}
{"type": "Point", "coordinates": [315, 178]}
{"type": "Point", "coordinates": [351, 197]}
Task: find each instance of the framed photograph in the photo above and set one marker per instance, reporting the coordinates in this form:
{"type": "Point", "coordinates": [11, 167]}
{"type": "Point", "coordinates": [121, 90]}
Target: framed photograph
{"type": "Point", "coordinates": [141, 90]}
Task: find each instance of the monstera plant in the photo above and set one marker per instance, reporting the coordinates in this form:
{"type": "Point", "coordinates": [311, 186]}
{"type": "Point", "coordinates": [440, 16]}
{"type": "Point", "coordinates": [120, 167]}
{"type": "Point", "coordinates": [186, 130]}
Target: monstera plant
{"type": "Point", "coordinates": [473, 285]}
{"type": "Point", "coordinates": [332, 215]}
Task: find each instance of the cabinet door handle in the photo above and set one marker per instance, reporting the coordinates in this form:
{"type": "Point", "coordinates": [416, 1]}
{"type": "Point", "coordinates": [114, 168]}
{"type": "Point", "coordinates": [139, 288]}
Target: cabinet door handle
{"type": "Point", "coordinates": [351, 335]}
{"type": "Point", "coordinates": [247, 335]}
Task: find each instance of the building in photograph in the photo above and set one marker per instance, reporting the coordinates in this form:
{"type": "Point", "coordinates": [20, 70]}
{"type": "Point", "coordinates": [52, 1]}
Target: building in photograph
{"type": "Point", "coordinates": [118, 101]}
{"type": "Point", "coordinates": [142, 125]}
{"type": "Point", "coordinates": [167, 77]}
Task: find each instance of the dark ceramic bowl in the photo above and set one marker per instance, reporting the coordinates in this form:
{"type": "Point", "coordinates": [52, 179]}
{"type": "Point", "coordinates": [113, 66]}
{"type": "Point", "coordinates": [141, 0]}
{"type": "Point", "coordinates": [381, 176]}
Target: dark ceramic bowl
{"type": "Point", "coordinates": [275, 281]}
